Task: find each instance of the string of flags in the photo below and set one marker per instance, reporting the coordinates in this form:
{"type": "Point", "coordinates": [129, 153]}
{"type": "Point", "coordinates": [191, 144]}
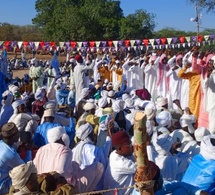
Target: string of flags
{"type": "Point", "coordinates": [157, 43]}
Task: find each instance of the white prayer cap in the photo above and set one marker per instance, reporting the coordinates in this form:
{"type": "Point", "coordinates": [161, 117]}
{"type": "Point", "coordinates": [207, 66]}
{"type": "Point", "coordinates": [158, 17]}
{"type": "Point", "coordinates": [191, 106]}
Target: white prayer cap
{"type": "Point", "coordinates": [51, 105]}
{"type": "Point", "coordinates": [89, 106]}
{"type": "Point", "coordinates": [111, 93]}
{"type": "Point", "coordinates": [104, 93]}
{"type": "Point", "coordinates": [200, 132]}
{"type": "Point", "coordinates": [84, 131]}
{"type": "Point", "coordinates": [161, 101]}
{"type": "Point", "coordinates": [102, 102]}
{"type": "Point", "coordinates": [20, 174]}
{"type": "Point", "coordinates": [17, 103]}
{"type": "Point", "coordinates": [118, 106]}
{"type": "Point", "coordinates": [125, 96]}
{"type": "Point", "coordinates": [187, 120]}
{"type": "Point", "coordinates": [54, 134]}
{"type": "Point", "coordinates": [48, 113]}
{"type": "Point", "coordinates": [129, 103]}
{"type": "Point", "coordinates": [39, 94]}
{"type": "Point", "coordinates": [164, 119]}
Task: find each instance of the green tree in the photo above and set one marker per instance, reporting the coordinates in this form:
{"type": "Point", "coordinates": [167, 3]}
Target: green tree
{"type": "Point", "coordinates": [208, 4]}
{"type": "Point", "coordinates": [137, 26]}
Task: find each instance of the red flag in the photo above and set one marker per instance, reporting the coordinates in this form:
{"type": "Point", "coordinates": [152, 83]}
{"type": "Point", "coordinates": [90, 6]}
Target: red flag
{"type": "Point", "coordinates": [42, 44]}
{"type": "Point", "coordinates": [127, 43]}
{"type": "Point", "coordinates": [182, 39]}
{"type": "Point", "coordinates": [25, 44]}
{"type": "Point", "coordinates": [110, 43]}
{"type": "Point", "coordinates": [7, 44]}
{"type": "Point", "coordinates": [200, 38]}
{"type": "Point", "coordinates": [145, 41]}
{"type": "Point", "coordinates": [73, 44]}
{"type": "Point", "coordinates": [92, 44]}
{"type": "Point", "coordinates": [163, 41]}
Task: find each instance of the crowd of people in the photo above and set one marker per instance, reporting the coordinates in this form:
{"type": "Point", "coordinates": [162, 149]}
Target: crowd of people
{"type": "Point", "coordinates": [68, 127]}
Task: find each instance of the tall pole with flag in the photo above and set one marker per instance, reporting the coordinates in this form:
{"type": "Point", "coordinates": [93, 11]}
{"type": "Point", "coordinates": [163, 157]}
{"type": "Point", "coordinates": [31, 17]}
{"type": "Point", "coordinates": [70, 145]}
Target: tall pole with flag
{"type": "Point", "coordinates": [197, 23]}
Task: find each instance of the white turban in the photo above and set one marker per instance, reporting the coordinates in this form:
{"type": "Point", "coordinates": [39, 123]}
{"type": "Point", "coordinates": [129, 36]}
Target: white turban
{"type": "Point", "coordinates": [16, 104]}
{"type": "Point", "coordinates": [161, 101]}
{"type": "Point", "coordinates": [13, 88]}
{"type": "Point", "coordinates": [133, 94]}
{"type": "Point", "coordinates": [51, 105]}
{"type": "Point", "coordinates": [20, 174]}
{"type": "Point", "coordinates": [84, 93]}
{"type": "Point", "coordinates": [39, 94]}
{"type": "Point", "coordinates": [9, 99]}
{"type": "Point", "coordinates": [200, 132]}
{"type": "Point", "coordinates": [56, 133]}
{"type": "Point", "coordinates": [102, 102]}
{"type": "Point", "coordinates": [150, 111]}
{"type": "Point", "coordinates": [111, 93]}
{"type": "Point", "coordinates": [84, 131]}
{"type": "Point", "coordinates": [140, 103]}
{"type": "Point", "coordinates": [129, 102]}
{"type": "Point", "coordinates": [118, 106]}
{"type": "Point", "coordinates": [89, 106]}
{"type": "Point", "coordinates": [187, 120]}
{"type": "Point", "coordinates": [125, 96]}
{"type": "Point", "coordinates": [103, 122]}
{"type": "Point", "coordinates": [163, 144]}
{"type": "Point", "coordinates": [116, 86]}
{"type": "Point", "coordinates": [104, 93]}
{"type": "Point", "coordinates": [207, 149]}
{"type": "Point", "coordinates": [164, 119]}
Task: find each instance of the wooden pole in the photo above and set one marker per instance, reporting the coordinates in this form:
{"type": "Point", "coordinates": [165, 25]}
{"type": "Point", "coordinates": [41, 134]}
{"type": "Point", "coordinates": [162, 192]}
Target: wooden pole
{"type": "Point", "coordinates": [143, 173]}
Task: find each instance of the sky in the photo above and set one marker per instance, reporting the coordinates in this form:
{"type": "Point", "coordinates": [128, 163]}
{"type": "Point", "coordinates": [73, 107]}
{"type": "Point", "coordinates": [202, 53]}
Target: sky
{"type": "Point", "coordinates": [169, 13]}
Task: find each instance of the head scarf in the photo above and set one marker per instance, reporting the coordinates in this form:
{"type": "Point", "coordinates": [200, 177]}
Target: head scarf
{"type": "Point", "coordinates": [207, 150]}
{"type": "Point", "coordinates": [118, 106]}
{"type": "Point", "coordinates": [187, 120]}
{"type": "Point", "coordinates": [89, 106]}
{"type": "Point", "coordinates": [200, 132]}
{"type": "Point", "coordinates": [9, 98]}
{"type": "Point", "coordinates": [102, 102]}
{"type": "Point", "coordinates": [20, 174]}
{"type": "Point", "coordinates": [129, 103]}
{"type": "Point", "coordinates": [16, 104]}
{"type": "Point", "coordinates": [150, 111]}
{"type": "Point", "coordinates": [125, 96]}
{"type": "Point", "coordinates": [161, 101]}
{"type": "Point", "coordinates": [163, 144]}
{"type": "Point", "coordinates": [164, 119]}
{"type": "Point", "coordinates": [84, 131]}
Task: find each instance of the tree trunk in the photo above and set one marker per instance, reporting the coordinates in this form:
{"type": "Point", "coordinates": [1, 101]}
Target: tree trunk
{"type": "Point", "coordinates": [143, 173]}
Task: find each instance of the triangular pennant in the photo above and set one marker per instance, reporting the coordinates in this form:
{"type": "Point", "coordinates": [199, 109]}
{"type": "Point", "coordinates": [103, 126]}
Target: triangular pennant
{"type": "Point", "coordinates": [127, 43]}
{"type": "Point", "coordinates": [73, 44]}
{"type": "Point", "coordinates": [85, 43]}
{"type": "Point", "coordinates": [200, 38]}
{"type": "Point", "coordinates": [135, 47]}
{"type": "Point", "coordinates": [175, 39]}
{"type": "Point", "coordinates": [179, 45]}
{"type": "Point", "coordinates": [36, 44]}
{"type": "Point", "coordinates": [132, 42]}
{"type": "Point", "coordinates": [110, 43]}
{"type": "Point", "coordinates": [145, 42]}
{"type": "Point", "coordinates": [25, 44]}
{"type": "Point", "coordinates": [152, 41]}
{"type": "Point", "coordinates": [92, 44]}
{"type": "Point", "coordinates": [61, 44]}
{"type": "Point", "coordinates": [188, 44]}
{"type": "Point", "coordinates": [184, 44]}
{"type": "Point", "coordinates": [79, 44]}
{"type": "Point", "coordinates": [182, 39]}
{"type": "Point", "coordinates": [163, 41]}
{"type": "Point", "coordinates": [169, 40]}
{"type": "Point", "coordinates": [42, 44]}
{"type": "Point", "coordinates": [206, 37]}
{"type": "Point", "coordinates": [129, 48]}
{"type": "Point", "coordinates": [212, 37]}
{"type": "Point", "coordinates": [19, 44]}
{"type": "Point", "coordinates": [173, 46]}
{"type": "Point", "coordinates": [153, 46]}
{"type": "Point", "coordinates": [157, 41]}
{"type": "Point", "coordinates": [188, 39]}
{"type": "Point", "coordinates": [141, 47]}
{"type": "Point", "coordinates": [166, 46]}
{"type": "Point", "coordinates": [115, 43]}
{"type": "Point", "coordinates": [1, 43]}
{"type": "Point", "coordinates": [98, 43]}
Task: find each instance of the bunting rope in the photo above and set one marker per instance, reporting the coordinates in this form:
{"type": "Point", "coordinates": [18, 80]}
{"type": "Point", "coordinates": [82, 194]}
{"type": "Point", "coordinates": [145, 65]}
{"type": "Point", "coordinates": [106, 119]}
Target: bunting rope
{"type": "Point", "coordinates": [141, 186]}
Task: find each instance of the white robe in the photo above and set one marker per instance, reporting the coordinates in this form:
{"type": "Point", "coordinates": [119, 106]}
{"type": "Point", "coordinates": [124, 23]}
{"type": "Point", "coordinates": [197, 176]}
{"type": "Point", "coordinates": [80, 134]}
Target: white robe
{"type": "Point", "coordinates": [127, 75]}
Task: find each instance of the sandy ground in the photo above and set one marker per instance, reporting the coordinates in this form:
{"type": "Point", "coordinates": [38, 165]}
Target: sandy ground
{"type": "Point", "coordinates": [20, 73]}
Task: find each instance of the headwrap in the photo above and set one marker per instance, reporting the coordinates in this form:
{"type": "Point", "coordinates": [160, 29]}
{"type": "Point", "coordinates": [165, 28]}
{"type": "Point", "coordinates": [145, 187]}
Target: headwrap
{"type": "Point", "coordinates": [16, 104]}
{"type": "Point", "coordinates": [125, 96]}
{"type": "Point", "coordinates": [39, 94]}
{"type": "Point", "coordinates": [84, 131]}
{"type": "Point", "coordinates": [116, 86]}
{"type": "Point", "coordinates": [9, 98]}
{"type": "Point", "coordinates": [163, 144]}
{"type": "Point", "coordinates": [111, 93]}
{"type": "Point", "coordinates": [20, 174]}
{"type": "Point", "coordinates": [187, 120]}
{"type": "Point", "coordinates": [103, 122]}
{"type": "Point", "coordinates": [9, 129]}
{"type": "Point", "coordinates": [150, 111]}
{"type": "Point", "coordinates": [118, 106]}
{"type": "Point", "coordinates": [48, 113]}
{"type": "Point", "coordinates": [207, 149]}
{"type": "Point", "coordinates": [13, 88]}
{"type": "Point", "coordinates": [161, 101]}
{"type": "Point", "coordinates": [138, 103]}
{"type": "Point", "coordinates": [89, 106]}
{"type": "Point", "coordinates": [152, 58]}
{"type": "Point", "coordinates": [180, 56]}
{"type": "Point", "coordinates": [133, 94]}
{"type": "Point", "coordinates": [104, 93]}
{"type": "Point", "coordinates": [120, 138]}
{"type": "Point", "coordinates": [164, 119]}
{"type": "Point", "coordinates": [200, 132]}
{"type": "Point", "coordinates": [102, 102]}
{"type": "Point", "coordinates": [129, 103]}
{"type": "Point", "coordinates": [54, 134]}
{"type": "Point", "coordinates": [51, 105]}
{"type": "Point", "coordinates": [108, 110]}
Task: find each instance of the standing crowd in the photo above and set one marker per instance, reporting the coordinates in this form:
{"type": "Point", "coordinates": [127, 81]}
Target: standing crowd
{"type": "Point", "coordinates": [68, 128]}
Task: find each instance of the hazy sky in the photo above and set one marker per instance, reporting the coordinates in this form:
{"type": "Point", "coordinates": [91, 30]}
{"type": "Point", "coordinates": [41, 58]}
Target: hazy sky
{"type": "Point", "coordinates": [169, 13]}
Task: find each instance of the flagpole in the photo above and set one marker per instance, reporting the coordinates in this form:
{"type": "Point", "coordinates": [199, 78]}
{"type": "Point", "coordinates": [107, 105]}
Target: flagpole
{"type": "Point", "coordinates": [197, 23]}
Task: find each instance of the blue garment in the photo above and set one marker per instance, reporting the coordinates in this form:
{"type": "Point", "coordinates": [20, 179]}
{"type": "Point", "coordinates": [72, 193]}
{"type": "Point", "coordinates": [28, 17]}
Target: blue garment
{"type": "Point", "coordinates": [3, 86]}
{"type": "Point", "coordinates": [40, 136]}
{"type": "Point", "coordinates": [62, 96]}
{"type": "Point", "coordinates": [9, 159]}
{"type": "Point", "coordinates": [121, 92]}
{"type": "Point", "coordinates": [5, 114]}
{"type": "Point", "coordinates": [71, 99]}
{"type": "Point", "coordinates": [176, 188]}
{"type": "Point", "coordinates": [201, 173]}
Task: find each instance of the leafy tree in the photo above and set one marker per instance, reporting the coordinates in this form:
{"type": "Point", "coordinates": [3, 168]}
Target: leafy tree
{"type": "Point", "coordinates": [171, 32]}
{"type": "Point", "coordinates": [137, 26]}
{"type": "Point", "coordinates": [208, 4]}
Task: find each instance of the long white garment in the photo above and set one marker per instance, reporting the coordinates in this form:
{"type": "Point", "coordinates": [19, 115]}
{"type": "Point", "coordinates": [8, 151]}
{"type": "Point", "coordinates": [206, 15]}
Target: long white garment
{"type": "Point", "coordinates": [151, 79]}
{"type": "Point", "coordinates": [114, 75]}
{"type": "Point", "coordinates": [141, 76]}
{"type": "Point", "coordinates": [96, 75]}
{"type": "Point", "coordinates": [175, 84]}
{"type": "Point", "coordinates": [209, 100]}
{"type": "Point", "coordinates": [162, 87]}
{"type": "Point", "coordinates": [119, 173]}
{"type": "Point", "coordinates": [127, 75]}
{"type": "Point", "coordinates": [50, 72]}
{"type": "Point", "coordinates": [79, 77]}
